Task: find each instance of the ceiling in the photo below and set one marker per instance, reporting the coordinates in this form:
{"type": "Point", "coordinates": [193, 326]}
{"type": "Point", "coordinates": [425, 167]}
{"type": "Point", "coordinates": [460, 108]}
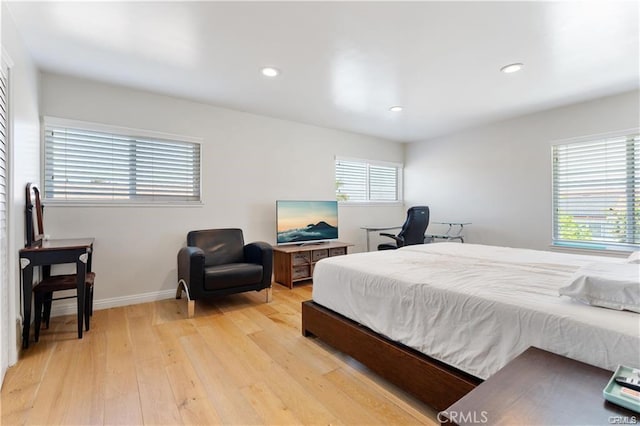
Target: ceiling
{"type": "Point", "coordinates": [343, 64]}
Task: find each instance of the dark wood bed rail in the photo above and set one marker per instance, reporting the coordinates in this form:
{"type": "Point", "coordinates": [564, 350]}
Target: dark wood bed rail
{"type": "Point", "coordinates": [431, 381]}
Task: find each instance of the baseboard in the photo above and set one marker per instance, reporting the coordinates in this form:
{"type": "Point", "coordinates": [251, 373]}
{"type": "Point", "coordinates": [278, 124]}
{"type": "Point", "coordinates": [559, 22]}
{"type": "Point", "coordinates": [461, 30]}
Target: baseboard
{"type": "Point", "coordinates": [69, 307]}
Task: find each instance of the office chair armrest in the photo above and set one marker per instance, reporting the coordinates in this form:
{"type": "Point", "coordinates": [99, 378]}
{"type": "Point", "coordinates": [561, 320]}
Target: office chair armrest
{"type": "Point", "coordinates": [191, 266]}
{"type": "Point", "coordinates": [397, 239]}
{"type": "Point", "coordinates": [261, 253]}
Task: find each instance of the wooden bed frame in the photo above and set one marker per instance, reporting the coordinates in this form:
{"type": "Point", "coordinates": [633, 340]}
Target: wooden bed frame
{"type": "Point", "coordinates": [431, 381]}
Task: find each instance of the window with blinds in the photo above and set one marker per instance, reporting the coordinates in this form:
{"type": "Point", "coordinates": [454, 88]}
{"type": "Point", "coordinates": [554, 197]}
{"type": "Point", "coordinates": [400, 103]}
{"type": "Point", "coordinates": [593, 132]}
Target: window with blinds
{"type": "Point", "coordinates": [82, 164]}
{"type": "Point", "coordinates": [596, 193]}
{"type": "Point", "coordinates": [362, 181]}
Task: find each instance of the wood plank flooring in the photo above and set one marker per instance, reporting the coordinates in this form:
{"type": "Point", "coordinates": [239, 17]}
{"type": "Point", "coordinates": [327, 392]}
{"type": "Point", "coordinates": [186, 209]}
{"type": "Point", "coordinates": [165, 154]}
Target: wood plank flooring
{"type": "Point", "coordinates": [238, 361]}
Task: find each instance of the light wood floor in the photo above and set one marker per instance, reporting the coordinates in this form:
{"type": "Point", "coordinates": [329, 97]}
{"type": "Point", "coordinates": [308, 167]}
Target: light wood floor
{"type": "Point", "coordinates": [239, 361]}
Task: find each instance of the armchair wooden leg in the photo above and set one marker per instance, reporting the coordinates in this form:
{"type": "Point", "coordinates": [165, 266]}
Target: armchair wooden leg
{"type": "Point", "coordinates": [191, 308]}
{"type": "Point", "coordinates": [269, 295]}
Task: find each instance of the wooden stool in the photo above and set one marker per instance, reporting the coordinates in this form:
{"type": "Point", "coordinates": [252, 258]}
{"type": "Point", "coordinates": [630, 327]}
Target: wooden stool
{"type": "Point", "coordinates": [43, 297]}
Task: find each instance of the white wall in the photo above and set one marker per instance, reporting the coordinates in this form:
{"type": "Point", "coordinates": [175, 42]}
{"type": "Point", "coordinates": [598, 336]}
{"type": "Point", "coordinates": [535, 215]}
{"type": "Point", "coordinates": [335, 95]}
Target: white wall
{"type": "Point", "coordinates": [249, 161]}
{"type": "Point", "coordinates": [498, 176]}
{"type": "Point", "coordinates": [24, 163]}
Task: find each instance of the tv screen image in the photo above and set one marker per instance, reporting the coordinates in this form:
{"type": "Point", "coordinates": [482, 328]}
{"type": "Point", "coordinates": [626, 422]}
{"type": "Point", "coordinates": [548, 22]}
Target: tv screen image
{"type": "Point", "coordinates": [306, 221]}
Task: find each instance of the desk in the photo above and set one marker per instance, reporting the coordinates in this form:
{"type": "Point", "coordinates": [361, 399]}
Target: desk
{"type": "Point", "coordinates": [54, 252]}
{"type": "Point", "coordinates": [369, 229]}
{"type": "Point", "coordinates": [539, 388]}
{"type": "Point", "coordinates": [453, 233]}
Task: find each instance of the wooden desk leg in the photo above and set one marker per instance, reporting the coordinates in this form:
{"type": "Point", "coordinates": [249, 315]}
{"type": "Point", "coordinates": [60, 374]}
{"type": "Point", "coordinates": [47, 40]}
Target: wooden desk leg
{"type": "Point", "coordinates": [81, 276]}
{"type": "Point", "coordinates": [27, 286]}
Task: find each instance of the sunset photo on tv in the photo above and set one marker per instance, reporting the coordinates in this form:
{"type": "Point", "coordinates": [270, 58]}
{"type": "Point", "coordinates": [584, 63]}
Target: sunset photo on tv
{"type": "Point", "coordinates": [304, 221]}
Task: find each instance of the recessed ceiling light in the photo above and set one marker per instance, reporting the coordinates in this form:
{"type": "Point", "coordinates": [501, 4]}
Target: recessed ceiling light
{"type": "Point", "coordinates": [270, 72]}
{"type": "Point", "coordinates": [396, 108]}
{"type": "Point", "coordinates": [507, 69]}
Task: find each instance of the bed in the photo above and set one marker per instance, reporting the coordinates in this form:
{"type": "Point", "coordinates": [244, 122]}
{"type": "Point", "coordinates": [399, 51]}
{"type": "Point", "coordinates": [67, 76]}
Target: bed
{"type": "Point", "coordinates": [437, 319]}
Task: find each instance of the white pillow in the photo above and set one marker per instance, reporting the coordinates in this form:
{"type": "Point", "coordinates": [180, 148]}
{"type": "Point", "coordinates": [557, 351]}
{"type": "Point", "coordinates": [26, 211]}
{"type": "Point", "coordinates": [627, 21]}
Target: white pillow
{"type": "Point", "coordinates": [634, 257]}
{"type": "Point", "coordinates": [609, 285]}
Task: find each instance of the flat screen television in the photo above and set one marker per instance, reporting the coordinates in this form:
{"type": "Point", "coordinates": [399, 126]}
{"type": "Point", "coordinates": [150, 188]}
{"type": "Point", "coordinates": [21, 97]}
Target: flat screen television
{"type": "Point", "coordinates": [300, 222]}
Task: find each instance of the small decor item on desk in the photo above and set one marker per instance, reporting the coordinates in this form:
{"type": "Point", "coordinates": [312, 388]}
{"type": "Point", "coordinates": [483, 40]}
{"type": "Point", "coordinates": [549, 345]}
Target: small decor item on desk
{"type": "Point", "coordinates": [624, 388]}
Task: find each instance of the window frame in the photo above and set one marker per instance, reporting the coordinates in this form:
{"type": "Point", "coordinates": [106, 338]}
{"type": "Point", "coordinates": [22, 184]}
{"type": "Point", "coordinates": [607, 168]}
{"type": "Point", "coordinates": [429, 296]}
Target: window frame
{"type": "Point", "coordinates": [121, 131]}
{"type": "Point", "coordinates": [369, 163]}
{"type": "Point", "coordinates": [584, 246]}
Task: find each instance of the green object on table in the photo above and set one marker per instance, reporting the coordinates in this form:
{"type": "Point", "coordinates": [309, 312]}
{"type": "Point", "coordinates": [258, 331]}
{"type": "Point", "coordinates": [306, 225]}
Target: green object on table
{"type": "Point", "coordinates": [613, 391]}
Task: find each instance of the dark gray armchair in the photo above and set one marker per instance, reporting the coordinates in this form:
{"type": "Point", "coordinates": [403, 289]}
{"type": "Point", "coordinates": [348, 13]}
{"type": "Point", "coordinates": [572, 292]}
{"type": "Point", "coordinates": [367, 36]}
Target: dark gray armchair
{"type": "Point", "coordinates": [216, 262]}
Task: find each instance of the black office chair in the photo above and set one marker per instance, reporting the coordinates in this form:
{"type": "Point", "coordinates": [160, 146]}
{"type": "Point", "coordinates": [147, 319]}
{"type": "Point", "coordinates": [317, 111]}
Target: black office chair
{"type": "Point", "coordinates": [412, 231]}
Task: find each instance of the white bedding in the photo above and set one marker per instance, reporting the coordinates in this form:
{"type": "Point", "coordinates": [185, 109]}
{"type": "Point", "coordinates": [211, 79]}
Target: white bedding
{"type": "Point", "coordinates": [476, 307]}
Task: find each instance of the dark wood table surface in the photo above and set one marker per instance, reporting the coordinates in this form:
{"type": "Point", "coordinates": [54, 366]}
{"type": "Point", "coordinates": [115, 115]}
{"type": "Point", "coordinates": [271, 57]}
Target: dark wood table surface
{"type": "Point", "coordinates": [540, 388]}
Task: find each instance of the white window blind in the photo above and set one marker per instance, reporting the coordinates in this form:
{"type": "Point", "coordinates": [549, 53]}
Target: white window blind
{"type": "Point", "coordinates": [596, 193]}
{"type": "Point", "coordinates": [4, 240]}
{"type": "Point", "coordinates": [361, 181]}
{"type": "Point", "coordinates": [4, 133]}
{"type": "Point", "coordinates": [82, 164]}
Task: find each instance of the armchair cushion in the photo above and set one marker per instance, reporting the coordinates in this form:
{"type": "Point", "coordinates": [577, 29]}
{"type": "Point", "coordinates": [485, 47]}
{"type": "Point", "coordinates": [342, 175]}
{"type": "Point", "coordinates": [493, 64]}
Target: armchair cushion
{"type": "Point", "coordinates": [231, 275]}
{"type": "Point", "coordinates": [220, 246]}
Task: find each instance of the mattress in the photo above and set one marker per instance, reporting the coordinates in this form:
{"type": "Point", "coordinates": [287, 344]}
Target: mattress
{"type": "Point", "coordinates": [477, 307]}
